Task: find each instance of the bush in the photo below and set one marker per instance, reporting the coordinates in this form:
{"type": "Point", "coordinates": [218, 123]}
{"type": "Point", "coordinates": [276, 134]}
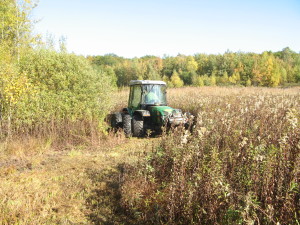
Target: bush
{"type": "Point", "coordinates": [60, 88]}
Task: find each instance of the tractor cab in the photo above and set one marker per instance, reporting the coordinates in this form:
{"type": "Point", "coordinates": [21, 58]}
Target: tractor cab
{"type": "Point", "coordinates": [145, 93]}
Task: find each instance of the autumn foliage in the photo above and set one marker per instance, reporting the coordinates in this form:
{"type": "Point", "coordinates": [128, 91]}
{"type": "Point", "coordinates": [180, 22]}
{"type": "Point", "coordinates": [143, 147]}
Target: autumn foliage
{"type": "Point", "coordinates": [269, 69]}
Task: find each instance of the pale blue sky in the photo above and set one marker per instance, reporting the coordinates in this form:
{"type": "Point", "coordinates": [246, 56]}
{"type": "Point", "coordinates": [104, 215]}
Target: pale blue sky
{"type": "Point", "coordinates": [132, 28]}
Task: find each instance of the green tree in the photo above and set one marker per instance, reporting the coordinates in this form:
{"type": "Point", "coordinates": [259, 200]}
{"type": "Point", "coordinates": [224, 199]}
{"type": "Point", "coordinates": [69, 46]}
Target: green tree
{"type": "Point", "coordinates": [194, 78]}
{"type": "Point", "coordinates": [224, 79]}
{"type": "Point", "coordinates": [16, 26]}
{"type": "Point", "coordinates": [152, 74]}
{"type": "Point", "coordinates": [296, 69]}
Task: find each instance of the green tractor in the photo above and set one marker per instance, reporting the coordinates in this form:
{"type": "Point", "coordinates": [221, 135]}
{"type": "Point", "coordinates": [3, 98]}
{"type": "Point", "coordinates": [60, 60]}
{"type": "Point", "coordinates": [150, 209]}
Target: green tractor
{"type": "Point", "coordinates": [147, 110]}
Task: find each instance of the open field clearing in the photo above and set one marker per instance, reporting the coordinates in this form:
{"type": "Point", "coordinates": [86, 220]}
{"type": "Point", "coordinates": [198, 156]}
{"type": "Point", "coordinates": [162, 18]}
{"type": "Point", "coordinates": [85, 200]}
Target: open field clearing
{"type": "Point", "coordinates": [241, 164]}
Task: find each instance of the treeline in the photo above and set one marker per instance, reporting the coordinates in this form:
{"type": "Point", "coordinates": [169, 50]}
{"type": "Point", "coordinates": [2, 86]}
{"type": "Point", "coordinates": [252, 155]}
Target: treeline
{"type": "Point", "coordinates": [43, 90]}
{"type": "Point", "coordinates": [268, 69]}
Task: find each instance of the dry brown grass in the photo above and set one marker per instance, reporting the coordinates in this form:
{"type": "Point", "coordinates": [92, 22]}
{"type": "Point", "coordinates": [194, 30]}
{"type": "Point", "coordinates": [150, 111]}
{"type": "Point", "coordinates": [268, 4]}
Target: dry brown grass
{"type": "Point", "coordinates": [239, 166]}
{"type": "Point", "coordinates": [43, 182]}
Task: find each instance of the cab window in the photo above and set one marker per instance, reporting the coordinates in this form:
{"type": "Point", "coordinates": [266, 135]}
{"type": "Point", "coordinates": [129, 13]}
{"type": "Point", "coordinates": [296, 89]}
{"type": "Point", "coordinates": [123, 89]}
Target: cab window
{"type": "Point", "coordinates": [136, 94]}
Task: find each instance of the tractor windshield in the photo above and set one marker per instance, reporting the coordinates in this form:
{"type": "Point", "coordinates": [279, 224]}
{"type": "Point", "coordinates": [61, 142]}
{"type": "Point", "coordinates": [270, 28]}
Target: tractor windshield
{"type": "Point", "coordinates": [154, 94]}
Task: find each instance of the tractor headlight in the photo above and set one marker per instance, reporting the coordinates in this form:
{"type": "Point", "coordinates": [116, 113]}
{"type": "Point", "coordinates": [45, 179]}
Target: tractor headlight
{"type": "Point", "coordinates": [177, 113]}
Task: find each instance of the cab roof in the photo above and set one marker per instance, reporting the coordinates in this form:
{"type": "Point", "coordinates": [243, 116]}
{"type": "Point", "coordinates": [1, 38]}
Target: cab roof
{"type": "Point", "coordinates": [136, 82]}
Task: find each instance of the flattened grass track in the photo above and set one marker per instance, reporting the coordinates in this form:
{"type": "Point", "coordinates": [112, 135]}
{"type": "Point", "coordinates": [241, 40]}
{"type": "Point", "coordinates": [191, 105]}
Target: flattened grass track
{"type": "Point", "coordinates": [104, 201]}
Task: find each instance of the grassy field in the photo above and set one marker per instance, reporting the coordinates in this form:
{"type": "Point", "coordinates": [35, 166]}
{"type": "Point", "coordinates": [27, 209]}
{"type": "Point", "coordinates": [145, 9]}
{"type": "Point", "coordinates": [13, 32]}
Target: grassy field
{"type": "Point", "coordinates": [240, 165]}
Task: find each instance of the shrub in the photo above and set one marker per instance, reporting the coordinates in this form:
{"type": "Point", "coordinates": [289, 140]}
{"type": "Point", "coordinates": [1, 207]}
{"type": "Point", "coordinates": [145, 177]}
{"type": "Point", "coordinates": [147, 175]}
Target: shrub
{"type": "Point", "coordinates": [59, 88]}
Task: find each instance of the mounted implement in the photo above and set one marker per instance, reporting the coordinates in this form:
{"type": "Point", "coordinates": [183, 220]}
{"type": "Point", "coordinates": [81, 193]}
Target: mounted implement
{"type": "Point", "coordinates": [147, 109]}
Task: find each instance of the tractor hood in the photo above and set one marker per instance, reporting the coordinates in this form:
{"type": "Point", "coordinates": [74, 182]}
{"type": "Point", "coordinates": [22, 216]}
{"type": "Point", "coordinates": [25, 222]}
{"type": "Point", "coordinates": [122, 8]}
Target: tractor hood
{"type": "Point", "coordinates": [166, 114]}
{"type": "Point", "coordinates": [162, 110]}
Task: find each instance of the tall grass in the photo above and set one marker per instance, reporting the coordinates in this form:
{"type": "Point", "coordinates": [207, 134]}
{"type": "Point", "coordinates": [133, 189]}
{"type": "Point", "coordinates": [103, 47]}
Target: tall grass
{"type": "Point", "coordinates": [241, 164]}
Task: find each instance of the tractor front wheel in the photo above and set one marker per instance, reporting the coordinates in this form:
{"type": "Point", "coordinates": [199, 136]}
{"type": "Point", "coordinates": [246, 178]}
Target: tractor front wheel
{"type": "Point", "coordinates": [138, 126]}
{"type": "Point", "coordinates": [127, 125]}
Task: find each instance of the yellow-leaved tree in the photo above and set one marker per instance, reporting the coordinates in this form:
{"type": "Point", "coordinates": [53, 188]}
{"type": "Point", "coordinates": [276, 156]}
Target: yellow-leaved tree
{"type": "Point", "coordinates": [15, 40]}
{"type": "Point", "coordinates": [266, 71]}
{"type": "Point", "coordinates": [191, 64]}
{"type": "Point", "coordinates": [175, 80]}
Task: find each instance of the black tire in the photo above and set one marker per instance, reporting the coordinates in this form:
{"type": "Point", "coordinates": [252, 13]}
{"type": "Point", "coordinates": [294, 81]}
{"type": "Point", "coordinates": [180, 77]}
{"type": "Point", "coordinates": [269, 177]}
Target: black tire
{"type": "Point", "coordinates": [138, 126]}
{"type": "Point", "coordinates": [127, 125]}
{"type": "Point", "coordinates": [115, 120]}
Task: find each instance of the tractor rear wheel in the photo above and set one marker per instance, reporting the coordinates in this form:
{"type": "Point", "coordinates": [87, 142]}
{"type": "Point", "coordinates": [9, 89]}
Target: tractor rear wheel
{"type": "Point", "coordinates": [138, 126]}
{"type": "Point", "coordinates": [116, 120]}
{"type": "Point", "coordinates": [127, 125]}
